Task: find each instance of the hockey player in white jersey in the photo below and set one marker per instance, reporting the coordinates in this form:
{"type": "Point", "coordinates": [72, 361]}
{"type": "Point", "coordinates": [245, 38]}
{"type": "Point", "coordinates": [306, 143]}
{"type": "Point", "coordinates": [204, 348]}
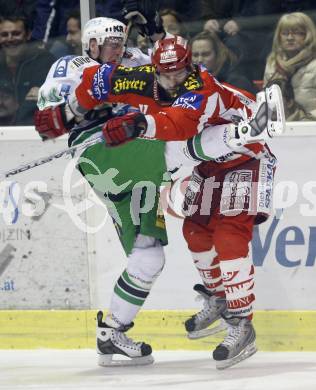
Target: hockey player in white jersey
{"type": "Point", "coordinates": [104, 41]}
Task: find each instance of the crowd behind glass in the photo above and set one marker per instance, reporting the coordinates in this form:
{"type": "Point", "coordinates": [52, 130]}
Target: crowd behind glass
{"type": "Point", "coordinates": [249, 44]}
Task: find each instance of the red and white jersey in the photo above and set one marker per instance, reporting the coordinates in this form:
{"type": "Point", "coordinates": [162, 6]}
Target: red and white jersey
{"type": "Point", "coordinates": [201, 102]}
{"type": "Point", "coordinates": [214, 104]}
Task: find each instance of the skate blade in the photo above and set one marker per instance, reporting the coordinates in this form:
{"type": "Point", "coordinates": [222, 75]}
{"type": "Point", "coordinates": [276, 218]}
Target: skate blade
{"type": "Point", "coordinates": [121, 361]}
{"type": "Point", "coordinates": [250, 350]}
{"type": "Point", "coordinates": [198, 334]}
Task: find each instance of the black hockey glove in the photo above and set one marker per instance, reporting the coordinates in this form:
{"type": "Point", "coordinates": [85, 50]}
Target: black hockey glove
{"type": "Point", "coordinates": [144, 14]}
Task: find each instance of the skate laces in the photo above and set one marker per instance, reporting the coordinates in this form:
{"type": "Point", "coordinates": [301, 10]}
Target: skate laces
{"type": "Point", "coordinates": [123, 339]}
{"type": "Point", "coordinates": [233, 335]}
{"type": "Point", "coordinates": [209, 306]}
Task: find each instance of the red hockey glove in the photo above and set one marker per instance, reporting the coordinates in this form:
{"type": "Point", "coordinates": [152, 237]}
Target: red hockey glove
{"type": "Point", "coordinates": [52, 122]}
{"type": "Point", "coordinates": [124, 128]}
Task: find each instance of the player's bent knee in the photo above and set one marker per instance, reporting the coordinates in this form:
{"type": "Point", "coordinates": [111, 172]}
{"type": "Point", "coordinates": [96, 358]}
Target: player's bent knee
{"type": "Point", "coordinates": [230, 245]}
{"type": "Point", "coordinates": [146, 264]}
{"type": "Point", "coordinates": [197, 237]}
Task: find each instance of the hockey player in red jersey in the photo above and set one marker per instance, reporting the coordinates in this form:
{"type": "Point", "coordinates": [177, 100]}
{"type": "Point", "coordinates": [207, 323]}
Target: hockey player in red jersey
{"type": "Point", "coordinates": [229, 191]}
{"type": "Point", "coordinates": [226, 197]}
{"type": "Point", "coordinates": [176, 97]}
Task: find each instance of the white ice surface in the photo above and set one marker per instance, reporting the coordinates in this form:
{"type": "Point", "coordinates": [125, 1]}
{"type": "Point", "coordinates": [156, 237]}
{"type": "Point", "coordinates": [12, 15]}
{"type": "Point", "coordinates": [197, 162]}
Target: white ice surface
{"type": "Point", "coordinates": [56, 369]}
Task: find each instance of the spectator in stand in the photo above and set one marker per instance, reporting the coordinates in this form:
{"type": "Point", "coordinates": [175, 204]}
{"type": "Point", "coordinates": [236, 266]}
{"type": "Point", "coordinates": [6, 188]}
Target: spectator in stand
{"type": "Point", "coordinates": [292, 64]}
{"type": "Point", "coordinates": [23, 64]}
{"type": "Point", "coordinates": [8, 103]}
{"type": "Point", "coordinates": [73, 37]}
{"type": "Point", "coordinates": [172, 22]}
{"type": "Point", "coordinates": [50, 21]}
{"type": "Point", "coordinates": [247, 26]}
{"type": "Point", "coordinates": [209, 50]}
{"type": "Point", "coordinates": [188, 10]}
{"type": "Point", "coordinates": [220, 18]}
{"type": "Point", "coordinates": [51, 16]}
{"type": "Point", "coordinates": [70, 43]}
{"type": "Point", "coordinates": [26, 7]}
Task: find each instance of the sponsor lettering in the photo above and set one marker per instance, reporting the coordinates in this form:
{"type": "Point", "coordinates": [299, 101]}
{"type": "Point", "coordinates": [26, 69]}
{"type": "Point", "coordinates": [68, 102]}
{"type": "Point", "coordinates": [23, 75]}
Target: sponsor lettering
{"type": "Point", "coordinates": [100, 84]}
{"type": "Point", "coordinates": [125, 84]}
{"type": "Point", "coordinates": [168, 56]}
{"type": "Point", "coordinates": [12, 206]}
{"type": "Point", "coordinates": [226, 157]}
{"type": "Point", "coordinates": [243, 99]}
{"type": "Point", "coordinates": [14, 234]}
{"type": "Point", "coordinates": [78, 61]}
{"type": "Point", "coordinates": [262, 243]}
{"type": "Point", "coordinates": [118, 28]}
{"type": "Point", "coordinates": [239, 303]}
{"type": "Point", "coordinates": [7, 285]}
{"type": "Point", "coordinates": [205, 273]}
{"type": "Point", "coordinates": [189, 101]}
{"type": "Point", "coordinates": [266, 182]}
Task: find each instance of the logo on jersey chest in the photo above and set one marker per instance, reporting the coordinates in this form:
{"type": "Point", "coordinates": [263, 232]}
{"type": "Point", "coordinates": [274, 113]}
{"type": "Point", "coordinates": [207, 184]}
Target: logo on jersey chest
{"type": "Point", "coordinates": [189, 101]}
{"type": "Point", "coordinates": [124, 84]}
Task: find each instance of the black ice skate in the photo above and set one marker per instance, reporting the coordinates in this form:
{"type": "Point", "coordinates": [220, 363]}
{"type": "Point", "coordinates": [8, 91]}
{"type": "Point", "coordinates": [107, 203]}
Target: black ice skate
{"type": "Point", "coordinates": [238, 345]}
{"type": "Point", "coordinates": [113, 341]}
{"type": "Point", "coordinates": [198, 325]}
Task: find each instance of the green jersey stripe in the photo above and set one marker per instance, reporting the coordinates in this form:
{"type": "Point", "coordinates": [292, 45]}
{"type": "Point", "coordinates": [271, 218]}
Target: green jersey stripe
{"type": "Point", "coordinates": [122, 294]}
{"type": "Point", "coordinates": [128, 280]}
{"type": "Point", "coordinates": [199, 150]}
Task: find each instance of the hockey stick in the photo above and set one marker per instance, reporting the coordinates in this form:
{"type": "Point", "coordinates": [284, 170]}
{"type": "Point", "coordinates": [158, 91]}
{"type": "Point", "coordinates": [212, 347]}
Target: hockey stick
{"type": "Point", "coordinates": [44, 160]}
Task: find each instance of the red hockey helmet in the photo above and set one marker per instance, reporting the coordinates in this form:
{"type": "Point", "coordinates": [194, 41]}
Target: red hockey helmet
{"type": "Point", "coordinates": [171, 54]}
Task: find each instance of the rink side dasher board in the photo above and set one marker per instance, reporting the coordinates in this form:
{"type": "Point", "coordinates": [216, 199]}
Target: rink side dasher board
{"type": "Point", "coordinates": [28, 329]}
{"type": "Point", "coordinates": [164, 330]}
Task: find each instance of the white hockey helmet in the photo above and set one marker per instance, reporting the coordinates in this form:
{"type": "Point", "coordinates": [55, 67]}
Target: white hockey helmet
{"type": "Point", "coordinates": [102, 28]}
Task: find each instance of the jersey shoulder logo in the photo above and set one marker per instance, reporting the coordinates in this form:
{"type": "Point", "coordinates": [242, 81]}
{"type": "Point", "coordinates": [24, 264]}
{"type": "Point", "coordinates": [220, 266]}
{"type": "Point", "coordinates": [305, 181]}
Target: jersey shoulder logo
{"type": "Point", "coordinates": [62, 66]}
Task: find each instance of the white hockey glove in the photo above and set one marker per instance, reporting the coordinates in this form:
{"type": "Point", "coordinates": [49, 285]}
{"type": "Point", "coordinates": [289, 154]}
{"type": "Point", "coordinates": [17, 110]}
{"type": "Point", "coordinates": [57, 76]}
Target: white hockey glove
{"type": "Point", "coordinates": [268, 120]}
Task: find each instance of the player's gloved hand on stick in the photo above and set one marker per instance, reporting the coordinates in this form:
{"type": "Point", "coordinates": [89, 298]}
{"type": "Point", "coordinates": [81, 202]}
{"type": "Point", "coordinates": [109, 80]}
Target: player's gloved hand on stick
{"type": "Point", "coordinates": [144, 14]}
{"type": "Point", "coordinates": [121, 129]}
{"type": "Point", "coordinates": [53, 122]}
